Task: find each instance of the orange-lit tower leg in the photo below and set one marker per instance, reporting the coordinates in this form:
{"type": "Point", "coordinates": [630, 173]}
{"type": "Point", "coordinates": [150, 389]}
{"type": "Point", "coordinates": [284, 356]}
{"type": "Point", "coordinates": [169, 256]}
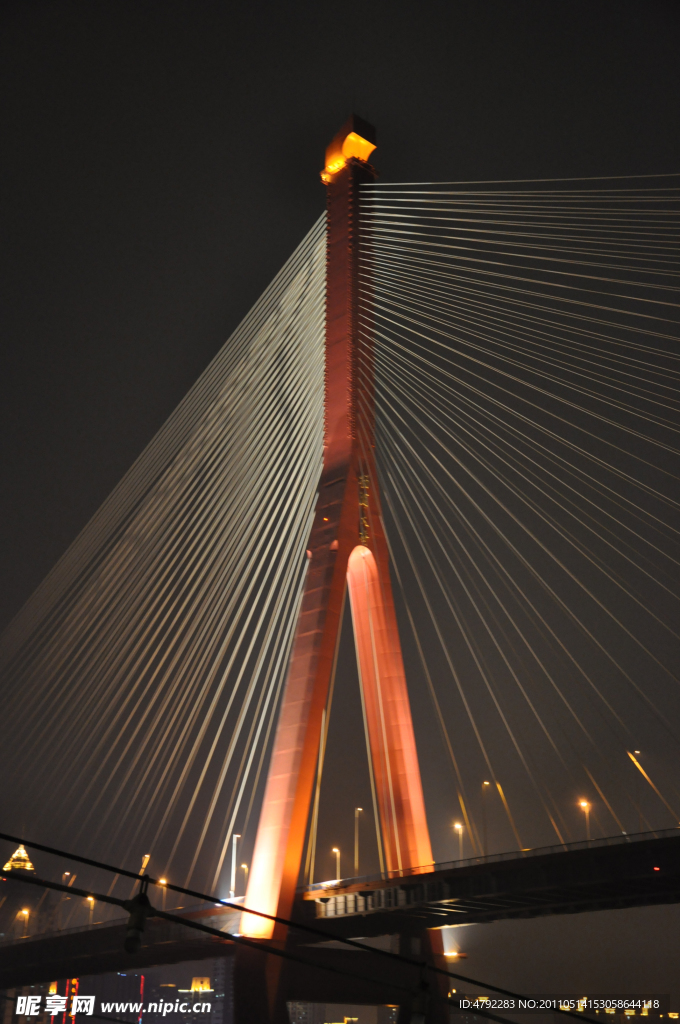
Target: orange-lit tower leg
{"type": "Point", "coordinates": [396, 773]}
{"type": "Point", "coordinates": [336, 532]}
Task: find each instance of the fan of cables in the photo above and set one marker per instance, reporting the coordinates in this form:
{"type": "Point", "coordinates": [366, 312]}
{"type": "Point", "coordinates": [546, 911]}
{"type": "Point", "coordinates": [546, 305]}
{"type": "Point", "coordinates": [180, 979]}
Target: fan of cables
{"type": "Point", "coordinates": [525, 341]}
{"type": "Point", "coordinates": [142, 678]}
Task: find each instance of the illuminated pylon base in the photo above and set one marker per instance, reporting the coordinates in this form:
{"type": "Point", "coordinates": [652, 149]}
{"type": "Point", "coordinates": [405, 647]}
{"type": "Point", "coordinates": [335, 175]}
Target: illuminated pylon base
{"type": "Point", "coordinates": [336, 561]}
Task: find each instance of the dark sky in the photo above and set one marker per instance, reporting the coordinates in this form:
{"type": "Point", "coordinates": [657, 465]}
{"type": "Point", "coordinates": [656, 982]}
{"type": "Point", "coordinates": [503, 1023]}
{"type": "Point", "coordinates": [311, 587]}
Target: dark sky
{"type": "Point", "coordinates": [162, 160]}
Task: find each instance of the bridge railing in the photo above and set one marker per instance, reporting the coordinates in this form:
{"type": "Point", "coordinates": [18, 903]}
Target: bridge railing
{"type": "Point", "coordinates": [538, 851]}
{"type": "Point", "coordinates": [174, 928]}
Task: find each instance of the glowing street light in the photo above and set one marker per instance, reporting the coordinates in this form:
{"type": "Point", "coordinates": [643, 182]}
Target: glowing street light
{"type": "Point", "coordinates": [90, 900]}
{"type": "Point", "coordinates": [244, 869]}
{"type": "Point", "coordinates": [163, 882]}
{"type": "Point", "coordinates": [459, 829]}
{"type": "Point", "coordinates": [336, 851]}
{"type": "Point", "coordinates": [25, 913]}
{"type": "Point", "coordinates": [232, 885]}
{"type": "Point", "coordinates": [485, 789]}
{"type": "Point", "coordinates": [585, 806]}
{"type": "Point", "coordinates": [357, 812]}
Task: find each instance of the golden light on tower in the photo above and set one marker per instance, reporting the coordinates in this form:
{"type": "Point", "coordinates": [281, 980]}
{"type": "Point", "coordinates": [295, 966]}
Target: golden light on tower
{"type": "Point", "coordinates": [200, 985]}
{"type": "Point", "coordinates": [347, 145]}
{"type": "Point", "coordinates": [19, 861]}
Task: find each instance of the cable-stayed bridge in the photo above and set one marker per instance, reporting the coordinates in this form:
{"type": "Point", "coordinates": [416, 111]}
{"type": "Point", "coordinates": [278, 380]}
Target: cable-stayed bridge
{"type": "Point", "coordinates": [456, 405]}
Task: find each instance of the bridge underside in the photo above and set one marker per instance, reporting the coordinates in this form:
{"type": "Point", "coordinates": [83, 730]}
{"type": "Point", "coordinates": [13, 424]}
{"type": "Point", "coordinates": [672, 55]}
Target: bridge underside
{"type": "Point", "coordinates": [634, 873]}
{"type": "Point", "coordinates": [607, 877]}
{"type": "Point", "coordinates": [99, 950]}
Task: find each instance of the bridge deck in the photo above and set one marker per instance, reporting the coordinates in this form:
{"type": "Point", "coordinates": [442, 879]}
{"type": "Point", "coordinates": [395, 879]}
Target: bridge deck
{"type": "Point", "coordinates": [99, 950]}
{"type": "Point", "coordinates": [624, 871]}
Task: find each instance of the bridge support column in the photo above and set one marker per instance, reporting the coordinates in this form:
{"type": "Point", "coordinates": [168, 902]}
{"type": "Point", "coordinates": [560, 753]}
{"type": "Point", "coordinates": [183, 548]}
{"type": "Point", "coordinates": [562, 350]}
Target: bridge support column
{"type": "Point", "coordinates": [430, 1005]}
{"type": "Point", "coordinates": [257, 991]}
{"type": "Point", "coordinates": [346, 546]}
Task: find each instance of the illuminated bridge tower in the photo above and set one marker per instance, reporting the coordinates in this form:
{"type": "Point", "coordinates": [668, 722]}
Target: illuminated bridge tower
{"type": "Point", "coordinates": [347, 549]}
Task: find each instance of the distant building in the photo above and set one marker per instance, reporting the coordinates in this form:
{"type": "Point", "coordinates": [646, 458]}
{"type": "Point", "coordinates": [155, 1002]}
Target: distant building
{"type": "Point", "coordinates": [203, 987]}
{"type": "Point", "coordinates": [336, 1013]}
{"type": "Point", "coordinates": [19, 861]}
{"type": "Point", "coordinates": [24, 909]}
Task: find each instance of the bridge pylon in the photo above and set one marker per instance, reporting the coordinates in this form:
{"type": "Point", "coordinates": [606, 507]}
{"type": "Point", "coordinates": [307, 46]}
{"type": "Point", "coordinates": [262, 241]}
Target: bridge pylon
{"type": "Point", "coordinates": [347, 552]}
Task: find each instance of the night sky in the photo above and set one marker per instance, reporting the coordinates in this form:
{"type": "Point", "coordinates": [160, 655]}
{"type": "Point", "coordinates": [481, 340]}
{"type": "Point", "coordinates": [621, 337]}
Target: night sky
{"type": "Point", "coordinates": [162, 161]}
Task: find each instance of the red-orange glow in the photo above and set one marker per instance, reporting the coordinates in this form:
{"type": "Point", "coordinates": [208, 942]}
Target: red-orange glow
{"type": "Point", "coordinates": [343, 148]}
{"type": "Point", "coordinates": [264, 881]}
{"type": "Point", "coordinates": [355, 146]}
{"type": "Point", "coordinates": [388, 714]}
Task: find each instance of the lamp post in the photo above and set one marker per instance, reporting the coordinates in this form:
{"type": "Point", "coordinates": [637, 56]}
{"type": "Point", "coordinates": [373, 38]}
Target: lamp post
{"type": "Point", "coordinates": [66, 879]}
{"type": "Point", "coordinates": [232, 885]}
{"type": "Point", "coordinates": [586, 810]}
{"type": "Point", "coordinates": [244, 869]}
{"type": "Point", "coordinates": [459, 829]}
{"type": "Point", "coordinates": [336, 851]}
{"type": "Point", "coordinates": [163, 882]}
{"type": "Point", "coordinates": [357, 812]}
{"type": "Point", "coordinates": [485, 789]}
{"type": "Point", "coordinates": [90, 900]}
{"type": "Point", "coordinates": [24, 913]}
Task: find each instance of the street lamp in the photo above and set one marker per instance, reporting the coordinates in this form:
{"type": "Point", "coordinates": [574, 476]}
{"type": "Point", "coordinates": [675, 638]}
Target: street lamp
{"type": "Point", "coordinates": [586, 810]}
{"type": "Point", "coordinates": [357, 812]}
{"type": "Point", "coordinates": [459, 829]}
{"type": "Point", "coordinates": [90, 900]}
{"type": "Point", "coordinates": [24, 913]}
{"type": "Point", "coordinates": [234, 843]}
{"type": "Point", "coordinates": [336, 851]}
{"type": "Point", "coordinates": [66, 879]}
{"type": "Point", "coordinates": [244, 868]}
{"type": "Point", "coordinates": [163, 882]}
{"type": "Point", "coordinates": [485, 789]}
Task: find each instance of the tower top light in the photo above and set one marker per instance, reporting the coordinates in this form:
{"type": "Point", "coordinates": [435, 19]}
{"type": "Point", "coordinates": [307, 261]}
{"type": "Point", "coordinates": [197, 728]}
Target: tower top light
{"type": "Point", "coordinates": [355, 140]}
